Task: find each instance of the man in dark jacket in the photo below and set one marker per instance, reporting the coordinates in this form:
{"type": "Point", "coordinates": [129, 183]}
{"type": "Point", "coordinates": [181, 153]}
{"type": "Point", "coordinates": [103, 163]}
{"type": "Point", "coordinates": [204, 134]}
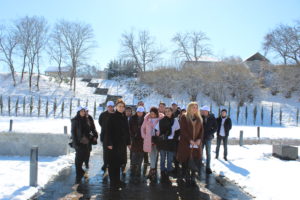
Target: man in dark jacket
{"type": "Point", "coordinates": [176, 110]}
{"type": "Point", "coordinates": [80, 130]}
{"type": "Point", "coordinates": [93, 135]}
{"type": "Point", "coordinates": [117, 138]}
{"type": "Point", "coordinates": [210, 127]}
{"type": "Point", "coordinates": [103, 119]}
{"type": "Point", "coordinates": [224, 126]}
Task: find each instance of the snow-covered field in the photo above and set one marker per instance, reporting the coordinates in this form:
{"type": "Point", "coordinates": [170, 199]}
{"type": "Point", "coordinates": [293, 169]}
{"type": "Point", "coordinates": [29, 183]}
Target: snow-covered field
{"type": "Point", "coordinates": [14, 175]}
{"type": "Point", "coordinates": [254, 169]}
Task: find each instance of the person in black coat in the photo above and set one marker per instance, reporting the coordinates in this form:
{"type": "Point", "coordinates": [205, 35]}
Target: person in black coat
{"type": "Point", "coordinates": [224, 126]}
{"type": "Point", "coordinates": [210, 127]}
{"type": "Point", "coordinates": [176, 110]}
{"type": "Point", "coordinates": [93, 136]}
{"type": "Point", "coordinates": [118, 138]}
{"type": "Point", "coordinates": [168, 130]}
{"type": "Point", "coordinates": [80, 130]}
{"type": "Point", "coordinates": [137, 141]}
{"type": "Point", "coordinates": [103, 119]}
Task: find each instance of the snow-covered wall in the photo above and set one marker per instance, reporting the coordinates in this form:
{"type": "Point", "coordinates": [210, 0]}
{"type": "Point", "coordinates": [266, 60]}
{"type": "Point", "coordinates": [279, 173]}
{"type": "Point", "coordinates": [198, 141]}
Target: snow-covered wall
{"type": "Point", "coordinates": [19, 144]}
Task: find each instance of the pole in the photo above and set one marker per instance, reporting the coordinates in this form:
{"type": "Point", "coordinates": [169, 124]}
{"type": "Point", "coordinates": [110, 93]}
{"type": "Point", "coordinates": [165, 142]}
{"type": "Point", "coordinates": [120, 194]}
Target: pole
{"type": "Point", "coordinates": [10, 125]}
{"type": "Point", "coordinates": [33, 166]}
{"type": "Point", "coordinates": [241, 138]}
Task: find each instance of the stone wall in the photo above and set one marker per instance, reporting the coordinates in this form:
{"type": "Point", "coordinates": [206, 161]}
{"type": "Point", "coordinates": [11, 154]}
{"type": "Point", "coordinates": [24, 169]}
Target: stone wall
{"type": "Point", "coordinates": [19, 144]}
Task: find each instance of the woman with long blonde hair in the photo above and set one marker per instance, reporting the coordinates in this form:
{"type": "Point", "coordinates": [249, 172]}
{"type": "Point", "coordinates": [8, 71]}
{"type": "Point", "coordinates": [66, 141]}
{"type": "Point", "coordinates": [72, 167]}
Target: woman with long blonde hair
{"type": "Point", "coordinates": [190, 143]}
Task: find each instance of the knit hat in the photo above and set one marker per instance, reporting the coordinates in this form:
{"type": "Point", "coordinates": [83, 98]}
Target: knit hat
{"type": "Point", "coordinates": [86, 108]}
{"type": "Point", "coordinates": [79, 108]}
{"type": "Point", "coordinates": [205, 108]}
{"type": "Point", "coordinates": [140, 109]}
{"type": "Point", "coordinates": [110, 103]}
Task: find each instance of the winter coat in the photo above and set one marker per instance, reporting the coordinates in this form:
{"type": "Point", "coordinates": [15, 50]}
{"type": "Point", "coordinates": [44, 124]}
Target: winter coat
{"type": "Point", "coordinates": [93, 127]}
{"type": "Point", "coordinates": [184, 151]}
{"type": "Point", "coordinates": [103, 118]}
{"type": "Point", "coordinates": [210, 126]}
{"type": "Point", "coordinates": [177, 113]}
{"type": "Point", "coordinates": [165, 127]}
{"type": "Point", "coordinates": [146, 131]}
{"type": "Point", "coordinates": [135, 125]}
{"type": "Point", "coordinates": [117, 136]}
{"type": "Point", "coordinates": [80, 130]}
{"type": "Point", "coordinates": [227, 126]}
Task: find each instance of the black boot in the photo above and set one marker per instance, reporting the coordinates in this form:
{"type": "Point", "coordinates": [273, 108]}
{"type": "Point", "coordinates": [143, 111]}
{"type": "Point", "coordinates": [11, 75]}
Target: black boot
{"type": "Point", "coordinates": [208, 171]}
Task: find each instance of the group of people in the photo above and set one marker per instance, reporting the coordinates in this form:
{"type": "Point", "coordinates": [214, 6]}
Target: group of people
{"type": "Point", "coordinates": [175, 137]}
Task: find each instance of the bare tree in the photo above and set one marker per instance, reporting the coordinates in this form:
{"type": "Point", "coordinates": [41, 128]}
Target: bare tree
{"type": "Point", "coordinates": [191, 45]}
{"type": "Point", "coordinates": [77, 41]}
{"type": "Point", "coordinates": [38, 42]}
{"type": "Point", "coordinates": [24, 27]}
{"type": "Point", "coordinates": [284, 41]}
{"type": "Point", "coordinates": [56, 51]}
{"type": "Point", "coordinates": [141, 48]}
{"type": "Point", "coordinates": [8, 44]}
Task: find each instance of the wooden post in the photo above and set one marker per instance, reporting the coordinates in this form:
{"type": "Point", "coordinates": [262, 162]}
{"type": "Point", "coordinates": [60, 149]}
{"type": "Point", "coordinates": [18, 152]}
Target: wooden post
{"type": "Point", "coordinates": [33, 166]}
{"type": "Point", "coordinates": [258, 132]}
{"type": "Point", "coordinates": [65, 130]}
{"type": "Point", "coordinates": [241, 138]}
{"type": "Point", "coordinates": [10, 125]}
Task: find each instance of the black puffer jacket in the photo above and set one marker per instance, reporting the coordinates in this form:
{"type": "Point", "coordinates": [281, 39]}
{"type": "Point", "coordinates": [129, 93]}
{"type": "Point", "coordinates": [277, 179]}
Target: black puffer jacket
{"type": "Point", "coordinates": [227, 125]}
{"type": "Point", "coordinates": [117, 136]}
{"type": "Point", "coordinates": [80, 128]}
{"type": "Point", "coordinates": [210, 126]}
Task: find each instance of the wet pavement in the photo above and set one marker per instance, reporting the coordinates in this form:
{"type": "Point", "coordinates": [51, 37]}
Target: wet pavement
{"type": "Point", "coordinates": [96, 187]}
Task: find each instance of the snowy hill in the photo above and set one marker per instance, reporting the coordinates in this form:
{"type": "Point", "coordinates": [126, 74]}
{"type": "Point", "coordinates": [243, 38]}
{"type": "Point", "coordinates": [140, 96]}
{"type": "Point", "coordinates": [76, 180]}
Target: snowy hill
{"type": "Point", "coordinates": [66, 100]}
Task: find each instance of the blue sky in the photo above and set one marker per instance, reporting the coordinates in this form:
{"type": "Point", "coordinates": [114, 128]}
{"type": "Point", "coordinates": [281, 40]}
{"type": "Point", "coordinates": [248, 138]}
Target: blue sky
{"type": "Point", "coordinates": [235, 27]}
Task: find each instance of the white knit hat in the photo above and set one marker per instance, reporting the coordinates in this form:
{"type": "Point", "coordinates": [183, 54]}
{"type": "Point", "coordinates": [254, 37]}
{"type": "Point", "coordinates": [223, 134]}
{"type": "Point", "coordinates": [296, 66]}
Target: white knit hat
{"type": "Point", "coordinates": [110, 103]}
{"type": "Point", "coordinates": [140, 109]}
{"type": "Point", "coordinates": [79, 108]}
{"type": "Point", "coordinates": [205, 108]}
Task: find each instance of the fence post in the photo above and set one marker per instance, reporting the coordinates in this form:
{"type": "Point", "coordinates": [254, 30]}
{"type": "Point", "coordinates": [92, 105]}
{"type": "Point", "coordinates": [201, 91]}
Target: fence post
{"type": "Point", "coordinates": [10, 125]}
{"type": "Point", "coordinates": [33, 166]}
{"type": "Point", "coordinates": [258, 132]}
{"type": "Point", "coordinates": [65, 130]}
{"type": "Point", "coordinates": [241, 138]}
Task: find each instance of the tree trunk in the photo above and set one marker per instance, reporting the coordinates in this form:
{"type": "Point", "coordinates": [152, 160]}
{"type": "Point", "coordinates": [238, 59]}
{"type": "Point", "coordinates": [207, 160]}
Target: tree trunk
{"type": "Point", "coordinates": [23, 69]}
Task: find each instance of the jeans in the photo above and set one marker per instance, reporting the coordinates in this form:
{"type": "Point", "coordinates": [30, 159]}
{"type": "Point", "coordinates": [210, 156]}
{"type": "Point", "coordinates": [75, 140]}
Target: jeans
{"type": "Point", "coordinates": [207, 144]}
{"type": "Point", "coordinates": [81, 155]}
{"type": "Point", "coordinates": [224, 139]}
{"type": "Point", "coordinates": [137, 158]}
{"type": "Point", "coordinates": [169, 155]}
{"type": "Point", "coordinates": [153, 157]}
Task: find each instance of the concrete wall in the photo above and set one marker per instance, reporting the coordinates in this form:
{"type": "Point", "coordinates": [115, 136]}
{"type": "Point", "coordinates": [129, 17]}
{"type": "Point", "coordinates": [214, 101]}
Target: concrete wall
{"type": "Point", "coordinates": [19, 144]}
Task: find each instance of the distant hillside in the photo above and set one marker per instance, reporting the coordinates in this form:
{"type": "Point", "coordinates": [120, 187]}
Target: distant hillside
{"type": "Point", "coordinates": [132, 91]}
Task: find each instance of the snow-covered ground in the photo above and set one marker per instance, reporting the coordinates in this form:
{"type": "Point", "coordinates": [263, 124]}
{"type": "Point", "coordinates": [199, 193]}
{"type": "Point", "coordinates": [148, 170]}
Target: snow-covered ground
{"type": "Point", "coordinates": [14, 175]}
{"type": "Point", "coordinates": [38, 125]}
{"type": "Point", "coordinates": [56, 126]}
{"type": "Point", "coordinates": [254, 169]}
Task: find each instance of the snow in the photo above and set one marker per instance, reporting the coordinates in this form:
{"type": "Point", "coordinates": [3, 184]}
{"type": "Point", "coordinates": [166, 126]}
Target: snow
{"type": "Point", "coordinates": [254, 169]}
{"type": "Point", "coordinates": [38, 125]}
{"type": "Point", "coordinates": [14, 182]}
